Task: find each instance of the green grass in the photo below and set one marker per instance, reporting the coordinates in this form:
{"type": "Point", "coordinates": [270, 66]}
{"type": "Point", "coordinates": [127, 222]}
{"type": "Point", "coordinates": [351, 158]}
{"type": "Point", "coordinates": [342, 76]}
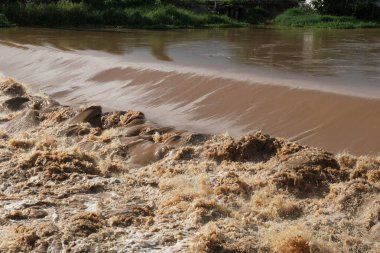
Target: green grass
{"type": "Point", "coordinates": [4, 21]}
{"type": "Point", "coordinates": [297, 17]}
{"type": "Point", "coordinates": [68, 14]}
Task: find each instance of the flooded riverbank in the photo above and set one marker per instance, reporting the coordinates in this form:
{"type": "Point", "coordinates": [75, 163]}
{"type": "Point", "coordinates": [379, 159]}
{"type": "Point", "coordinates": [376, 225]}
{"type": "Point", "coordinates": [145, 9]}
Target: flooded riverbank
{"type": "Point", "coordinates": [316, 87]}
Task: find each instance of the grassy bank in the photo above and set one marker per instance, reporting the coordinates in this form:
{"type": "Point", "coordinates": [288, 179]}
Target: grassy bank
{"type": "Point", "coordinates": [69, 14]}
{"type": "Point", "coordinates": [4, 21]}
{"type": "Point", "coordinates": [297, 17]}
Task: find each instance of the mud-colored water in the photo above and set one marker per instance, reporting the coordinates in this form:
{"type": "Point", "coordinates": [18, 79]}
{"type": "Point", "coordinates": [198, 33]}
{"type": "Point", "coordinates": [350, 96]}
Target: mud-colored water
{"type": "Point", "coordinates": [81, 180]}
{"type": "Point", "coordinates": [320, 88]}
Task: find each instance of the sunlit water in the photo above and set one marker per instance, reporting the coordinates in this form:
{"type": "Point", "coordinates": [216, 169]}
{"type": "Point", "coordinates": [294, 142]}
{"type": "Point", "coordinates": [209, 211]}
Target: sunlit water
{"type": "Point", "coordinates": [319, 87]}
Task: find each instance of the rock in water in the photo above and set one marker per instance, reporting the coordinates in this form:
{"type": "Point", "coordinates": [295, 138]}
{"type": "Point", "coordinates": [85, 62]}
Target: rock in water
{"type": "Point", "coordinates": [90, 115]}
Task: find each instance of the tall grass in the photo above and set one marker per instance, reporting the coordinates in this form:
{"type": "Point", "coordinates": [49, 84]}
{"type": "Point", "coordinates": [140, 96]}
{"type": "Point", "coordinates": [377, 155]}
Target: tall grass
{"type": "Point", "coordinates": [65, 13]}
{"type": "Point", "coordinates": [297, 17]}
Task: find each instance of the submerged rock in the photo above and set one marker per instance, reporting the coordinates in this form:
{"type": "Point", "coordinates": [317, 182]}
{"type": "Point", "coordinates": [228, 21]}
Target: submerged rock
{"type": "Point", "coordinates": [90, 115]}
{"type": "Point", "coordinates": [16, 103]}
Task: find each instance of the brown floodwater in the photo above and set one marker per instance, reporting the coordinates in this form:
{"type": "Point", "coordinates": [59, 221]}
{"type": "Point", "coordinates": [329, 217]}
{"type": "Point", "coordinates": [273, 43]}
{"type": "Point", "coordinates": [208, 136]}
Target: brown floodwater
{"type": "Point", "coordinates": [318, 87]}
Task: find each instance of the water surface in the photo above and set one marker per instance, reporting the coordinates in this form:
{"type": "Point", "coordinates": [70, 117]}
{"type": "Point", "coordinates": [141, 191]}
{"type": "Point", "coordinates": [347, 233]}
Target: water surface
{"type": "Point", "coordinates": [318, 87]}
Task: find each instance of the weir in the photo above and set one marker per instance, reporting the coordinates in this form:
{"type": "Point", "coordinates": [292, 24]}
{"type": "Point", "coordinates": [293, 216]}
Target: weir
{"type": "Point", "coordinates": [235, 80]}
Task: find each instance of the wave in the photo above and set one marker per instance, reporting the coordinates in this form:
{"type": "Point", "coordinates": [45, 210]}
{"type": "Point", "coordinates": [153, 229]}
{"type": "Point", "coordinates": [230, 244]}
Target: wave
{"type": "Point", "coordinates": [87, 180]}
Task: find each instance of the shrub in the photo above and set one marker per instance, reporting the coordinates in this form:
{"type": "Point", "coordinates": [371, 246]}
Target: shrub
{"type": "Point", "coordinates": [62, 13]}
{"type": "Point", "coordinates": [308, 18]}
{"type": "Point", "coordinates": [4, 21]}
{"type": "Point", "coordinates": [257, 15]}
{"type": "Point", "coordinates": [365, 9]}
{"type": "Point", "coordinates": [136, 13]}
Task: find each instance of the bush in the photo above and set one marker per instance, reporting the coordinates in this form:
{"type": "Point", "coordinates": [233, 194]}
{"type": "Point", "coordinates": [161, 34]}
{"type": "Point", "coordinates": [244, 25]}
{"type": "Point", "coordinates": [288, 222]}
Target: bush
{"type": "Point", "coordinates": [262, 11]}
{"type": "Point", "coordinates": [257, 15]}
{"type": "Point", "coordinates": [136, 13]}
{"type": "Point", "coordinates": [307, 18]}
{"type": "Point", "coordinates": [62, 13]}
{"type": "Point", "coordinates": [4, 21]}
{"type": "Point", "coordinates": [171, 16]}
{"type": "Point", "coordinates": [364, 9]}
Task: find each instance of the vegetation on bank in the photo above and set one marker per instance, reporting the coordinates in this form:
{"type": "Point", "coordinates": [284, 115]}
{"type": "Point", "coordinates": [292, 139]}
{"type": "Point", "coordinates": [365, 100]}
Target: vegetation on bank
{"type": "Point", "coordinates": [361, 9]}
{"type": "Point", "coordinates": [142, 13]}
{"type": "Point", "coordinates": [255, 11]}
{"type": "Point", "coordinates": [298, 17]}
{"type": "Point", "coordinates": [190, 13]}
{"type": "Point", "coordinates": [4, 21]}
{"type": "Point", "coordinates": [65, 13]}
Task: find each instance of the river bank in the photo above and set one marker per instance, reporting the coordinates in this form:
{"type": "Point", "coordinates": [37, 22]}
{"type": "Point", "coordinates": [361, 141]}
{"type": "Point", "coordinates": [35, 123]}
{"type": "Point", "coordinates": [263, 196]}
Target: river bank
{"type": "Point", "coordinates": [80, 179]}
{"type": "Point", "coordinates": [148, 15]}
{"type": "Point", "coordinates": [4, 22]}
{"type": "Point", "coordinates": [304, 18]}
{"type": "Point", "coordinates": [172, 15]}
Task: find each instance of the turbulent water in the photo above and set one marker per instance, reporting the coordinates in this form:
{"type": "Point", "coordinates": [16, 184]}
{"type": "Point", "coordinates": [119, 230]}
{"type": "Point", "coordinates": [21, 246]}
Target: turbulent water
{"type": "Point", "coordinates": [82, 180]}
{"type": "Point", "coordinates": [317, 87]}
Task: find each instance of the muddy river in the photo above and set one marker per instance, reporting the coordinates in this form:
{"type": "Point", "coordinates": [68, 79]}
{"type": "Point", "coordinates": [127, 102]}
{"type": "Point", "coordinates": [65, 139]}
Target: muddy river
{"type": "Point", "coordinates": [317, 87]}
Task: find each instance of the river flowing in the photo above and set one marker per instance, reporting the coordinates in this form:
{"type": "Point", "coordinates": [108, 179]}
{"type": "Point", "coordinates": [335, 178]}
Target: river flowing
{"type": "Point", "coordinates": [318, 87]}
